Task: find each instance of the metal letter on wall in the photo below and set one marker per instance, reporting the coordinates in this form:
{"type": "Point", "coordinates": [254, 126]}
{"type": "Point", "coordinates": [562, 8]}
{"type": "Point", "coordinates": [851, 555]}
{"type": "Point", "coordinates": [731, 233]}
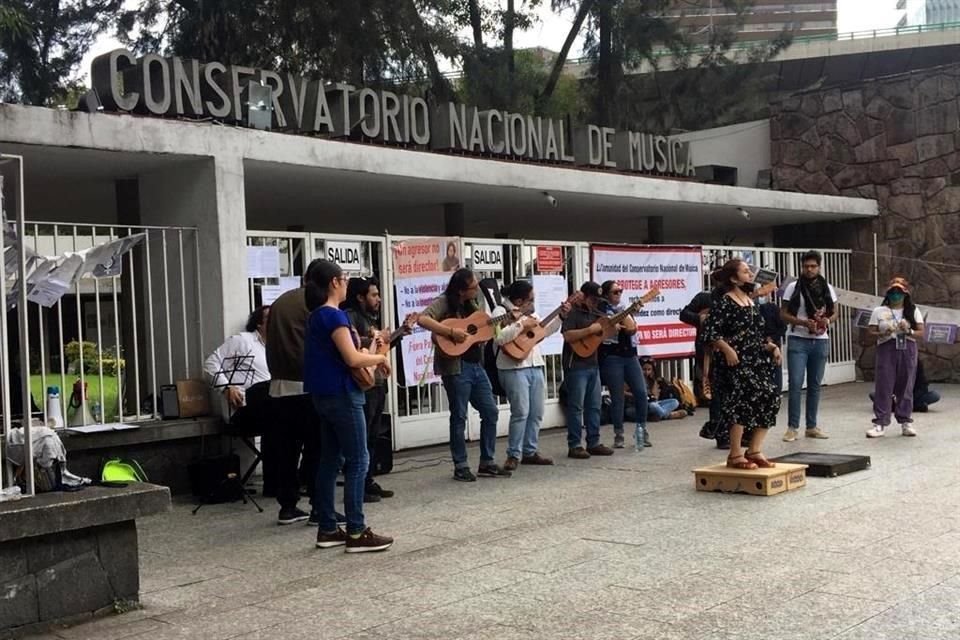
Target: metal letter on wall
{"type": "Point", "coordinates": [105, 73]}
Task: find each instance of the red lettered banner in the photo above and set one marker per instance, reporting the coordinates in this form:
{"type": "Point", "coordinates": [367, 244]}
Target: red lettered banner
{"type": "Point", "coordinates": [676, 271]}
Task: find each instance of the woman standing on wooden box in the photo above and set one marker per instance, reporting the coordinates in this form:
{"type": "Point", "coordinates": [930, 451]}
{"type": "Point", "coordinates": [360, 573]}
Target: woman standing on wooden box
{"type": "Point", "coordinates": [743, 365]}
{"type": "Point", "coordinates": [896, 324]}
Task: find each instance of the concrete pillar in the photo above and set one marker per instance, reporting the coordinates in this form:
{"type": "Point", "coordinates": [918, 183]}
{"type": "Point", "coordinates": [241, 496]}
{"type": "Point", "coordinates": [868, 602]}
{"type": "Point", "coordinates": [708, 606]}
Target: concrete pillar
{"type": "Point", "coordinates": [454, 223]}
{"type": "Point", "coordinates": [207, 194]}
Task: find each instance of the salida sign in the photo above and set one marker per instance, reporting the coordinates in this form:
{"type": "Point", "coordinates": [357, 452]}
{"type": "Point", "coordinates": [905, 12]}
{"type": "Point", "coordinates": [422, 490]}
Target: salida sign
{"type": "Point", "coordinates": [173, 86]}
{"type": "Point", "coordinates": [487, 257]}
{"type": "Point", "coordinates": [349, 255]}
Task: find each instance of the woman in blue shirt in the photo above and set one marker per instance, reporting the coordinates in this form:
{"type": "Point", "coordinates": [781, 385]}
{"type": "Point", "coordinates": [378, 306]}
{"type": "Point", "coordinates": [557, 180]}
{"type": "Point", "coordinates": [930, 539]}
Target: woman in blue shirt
{"type": "Point", "coordinates": [330, 352]}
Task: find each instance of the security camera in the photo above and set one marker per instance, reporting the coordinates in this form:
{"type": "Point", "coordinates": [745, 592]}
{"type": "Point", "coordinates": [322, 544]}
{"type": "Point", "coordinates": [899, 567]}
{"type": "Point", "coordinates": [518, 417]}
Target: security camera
{"type": "Point", "coordinates": [744, 213]}
{"type": "Point", "coordinates": [551, 200]}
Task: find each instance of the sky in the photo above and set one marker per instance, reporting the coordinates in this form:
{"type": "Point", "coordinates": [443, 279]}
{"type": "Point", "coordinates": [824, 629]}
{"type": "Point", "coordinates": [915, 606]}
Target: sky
{"type": "Point", "coordinates": [550, 31]}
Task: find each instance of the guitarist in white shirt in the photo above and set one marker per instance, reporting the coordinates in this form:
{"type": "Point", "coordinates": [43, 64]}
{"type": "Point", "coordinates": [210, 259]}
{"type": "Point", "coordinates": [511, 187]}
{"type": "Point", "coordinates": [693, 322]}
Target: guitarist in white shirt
{"type": "Point", "coordinates": [523, 380]}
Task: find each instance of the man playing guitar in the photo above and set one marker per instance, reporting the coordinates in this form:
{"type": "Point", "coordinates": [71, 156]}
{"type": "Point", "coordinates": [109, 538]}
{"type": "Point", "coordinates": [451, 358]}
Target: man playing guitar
{"type": "Point", "coordinates": [363, 308]}
{"type": "Point", "coordinates": [464, 378]}
{"type": "Point", "coordinates": [523, 379]}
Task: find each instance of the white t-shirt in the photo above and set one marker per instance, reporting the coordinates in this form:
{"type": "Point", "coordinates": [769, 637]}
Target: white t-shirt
{"type": "Point", "coordinates": [801, 331]}
{"type": "Point", "coordinates": [885, 318]}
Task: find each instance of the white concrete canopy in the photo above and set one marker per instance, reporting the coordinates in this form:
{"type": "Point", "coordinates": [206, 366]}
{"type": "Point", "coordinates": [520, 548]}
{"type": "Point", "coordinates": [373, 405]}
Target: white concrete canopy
{"type": "Point", "coordinates": [327, 185]}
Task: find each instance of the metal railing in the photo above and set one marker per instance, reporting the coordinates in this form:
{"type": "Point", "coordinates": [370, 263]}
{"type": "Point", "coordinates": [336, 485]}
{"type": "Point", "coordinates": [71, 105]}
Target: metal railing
{"type": "Point", "coordinates": [110, 344]}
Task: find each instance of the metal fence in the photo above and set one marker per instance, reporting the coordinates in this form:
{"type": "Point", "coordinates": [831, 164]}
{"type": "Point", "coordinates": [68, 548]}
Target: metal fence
{"type": "Point", "coordinates": [109, 344]}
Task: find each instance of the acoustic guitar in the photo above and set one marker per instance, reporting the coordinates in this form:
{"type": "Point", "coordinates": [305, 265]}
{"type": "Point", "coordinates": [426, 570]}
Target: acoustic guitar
{"type": "Point", "coordinates": [478, 326]}
{"type": "Point", "coordinates": [586, 347]}
{"type": "Point", "coordinates": [523, 344]}
{"type": "Point", "coordinates": [366, 377]}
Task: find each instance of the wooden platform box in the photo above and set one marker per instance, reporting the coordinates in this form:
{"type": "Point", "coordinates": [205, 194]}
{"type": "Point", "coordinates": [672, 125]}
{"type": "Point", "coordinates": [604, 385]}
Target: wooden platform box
{"type": "Point", "coordinates": [827, 465]}
{"type": "Point", "coordinates": [758, 482]}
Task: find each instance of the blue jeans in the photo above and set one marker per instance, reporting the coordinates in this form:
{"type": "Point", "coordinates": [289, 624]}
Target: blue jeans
{"type": "Point", "coordinates": [524, 389]}
{"type": "Point", "coordinates": [343, 438]}
{"type": "Point", "coordinates": [663, 408]}
{"type": "Point", "coordinates": [473, 386]}
{"type": "Point", "coordinates": [805, 356]}
{"type": "Point", "coordinates": [583, 405]}
{"type": "Point", "coordinates": [615, 371]}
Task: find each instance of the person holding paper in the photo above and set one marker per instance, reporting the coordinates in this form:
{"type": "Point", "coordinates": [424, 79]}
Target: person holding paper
{"type": "Point", "coordinates": [809, 308]}
{"type": "Point", "coordinates": [896, 324]}
{"type": "Point", "coordinates": [524, 380]}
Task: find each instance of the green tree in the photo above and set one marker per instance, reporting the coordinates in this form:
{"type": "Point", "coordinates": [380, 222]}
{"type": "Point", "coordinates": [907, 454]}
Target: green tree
{"type": "Point", "coordinates": [363, 41]}
{"type": "Point", "coordinates": [646, 72]}
{"type": "Point", "coordinates": [42, 43]}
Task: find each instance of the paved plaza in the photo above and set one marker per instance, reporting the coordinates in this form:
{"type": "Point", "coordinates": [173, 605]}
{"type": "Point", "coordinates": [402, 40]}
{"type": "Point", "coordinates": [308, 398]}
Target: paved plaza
{"type": "Point", "coordinates": [608, 548]}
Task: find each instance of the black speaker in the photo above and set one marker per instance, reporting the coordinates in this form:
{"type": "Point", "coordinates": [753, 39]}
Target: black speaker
{"type": "Point", "coordinates": [210, 478]}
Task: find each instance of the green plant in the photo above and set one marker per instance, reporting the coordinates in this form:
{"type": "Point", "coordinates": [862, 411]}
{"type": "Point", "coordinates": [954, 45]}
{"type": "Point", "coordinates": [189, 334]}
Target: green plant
{"type": "Point", "coordinates": [72, 351]}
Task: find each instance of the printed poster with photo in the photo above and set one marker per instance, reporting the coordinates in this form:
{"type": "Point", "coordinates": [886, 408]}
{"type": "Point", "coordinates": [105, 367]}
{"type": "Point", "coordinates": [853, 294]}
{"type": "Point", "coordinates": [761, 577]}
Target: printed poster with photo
{"type": "Point", "coordinates": [422, 267]}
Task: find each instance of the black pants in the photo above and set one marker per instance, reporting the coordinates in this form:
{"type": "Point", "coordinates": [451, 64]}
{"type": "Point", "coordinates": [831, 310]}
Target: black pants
{"type": "Point", "coordinates": [376, 401]}
{"type": "Point", "coordinates": [295, 432]}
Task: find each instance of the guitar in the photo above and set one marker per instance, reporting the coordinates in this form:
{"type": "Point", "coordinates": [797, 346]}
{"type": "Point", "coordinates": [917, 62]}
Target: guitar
{"type": "Point", "coordinates": [523, 344]}
{"type": "Point", "coordinates": [586, 347]}
{"type": "Point", "coordinates": [478, 326]}
{"type": "Point", "coordinates": [366, 377]}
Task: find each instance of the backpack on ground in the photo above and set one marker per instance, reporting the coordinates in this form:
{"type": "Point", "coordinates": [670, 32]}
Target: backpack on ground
{"type": "Point", "coordinates": [122, 470]}
{"type": "Point", "coordinates": [684, 393]}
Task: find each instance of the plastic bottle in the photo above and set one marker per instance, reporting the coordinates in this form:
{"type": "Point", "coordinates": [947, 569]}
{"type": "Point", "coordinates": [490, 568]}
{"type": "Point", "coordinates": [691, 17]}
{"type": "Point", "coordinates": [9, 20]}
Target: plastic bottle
{"type": "Point", "coordinates": [54, 414]}
{"type": "Point", "coordinates": [97, 414]}
{"type": "Point", "coordinates": [640, 436]}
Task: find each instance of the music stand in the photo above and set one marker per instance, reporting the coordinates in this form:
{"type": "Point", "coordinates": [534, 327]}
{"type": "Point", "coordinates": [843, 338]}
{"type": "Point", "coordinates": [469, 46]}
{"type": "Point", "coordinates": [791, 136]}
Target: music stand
{"type": "Point", "coordinates": [237, 371]}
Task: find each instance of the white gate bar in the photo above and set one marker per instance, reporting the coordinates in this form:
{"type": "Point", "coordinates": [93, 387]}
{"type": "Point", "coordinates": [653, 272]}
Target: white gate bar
{"type": "Point", "coordinates": [136, 342]}
{"type": "Point", "coordinates": [83, 380]}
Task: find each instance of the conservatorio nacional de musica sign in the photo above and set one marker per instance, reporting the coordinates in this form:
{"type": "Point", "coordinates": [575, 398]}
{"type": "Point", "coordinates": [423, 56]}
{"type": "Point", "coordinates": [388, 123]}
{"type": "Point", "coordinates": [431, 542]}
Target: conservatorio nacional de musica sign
{"type": "Point", "coordinates": [174, 86]}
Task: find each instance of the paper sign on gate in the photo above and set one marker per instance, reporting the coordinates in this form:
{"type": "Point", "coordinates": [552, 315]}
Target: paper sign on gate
{"type": "Point", "coordinates": [550, 293]}
{"type": "Point", "coordinates": [263, 262]}
{"type": "Point", "coordinates": [676, 271]}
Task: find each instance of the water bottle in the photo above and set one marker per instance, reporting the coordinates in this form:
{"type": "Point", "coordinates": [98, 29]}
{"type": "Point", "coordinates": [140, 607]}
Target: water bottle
{"type": "Point", "coordinates": [640, 436]}
{"type": "Point", "coordinates": [97, 415]}
{"type": "Point", "coordinates": [54, 414]}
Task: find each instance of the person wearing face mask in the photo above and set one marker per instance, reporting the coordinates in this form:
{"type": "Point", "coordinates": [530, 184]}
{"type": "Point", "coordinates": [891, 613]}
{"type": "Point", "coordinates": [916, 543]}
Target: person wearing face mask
{"type": "Point", "coordinates": [896, 324]}
{"type": "Point", "coordinates": [742, 365]}
{"type": "Point", "coordinates": [809, 307]}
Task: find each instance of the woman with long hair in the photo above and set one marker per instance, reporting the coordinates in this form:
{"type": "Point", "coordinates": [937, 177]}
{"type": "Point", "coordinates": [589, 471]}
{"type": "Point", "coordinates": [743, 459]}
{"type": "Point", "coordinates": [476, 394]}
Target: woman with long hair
{"type": "Point", "coordinates": [330, 352]}
{"type": "Point", "coordinates": [896, 324]}
{"type": "Point", "coordinates": [619, 366]}
{"type": "Point", "coordinates": [743, 365]}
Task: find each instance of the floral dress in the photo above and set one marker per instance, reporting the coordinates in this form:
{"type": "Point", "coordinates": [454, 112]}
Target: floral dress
{"type": "Point", "coordinates": [747, 392]}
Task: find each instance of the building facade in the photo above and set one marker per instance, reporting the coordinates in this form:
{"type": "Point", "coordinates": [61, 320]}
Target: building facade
{"type": "Point", "coordinates": [927, 12]}
{"type": "Point", "coordinates": [766, 20]}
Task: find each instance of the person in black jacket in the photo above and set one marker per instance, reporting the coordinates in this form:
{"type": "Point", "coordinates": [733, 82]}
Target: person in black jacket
{"type": "Point", "coordinates": [775, 329]}
{"type": "Point", "coordinates": [694, 314]}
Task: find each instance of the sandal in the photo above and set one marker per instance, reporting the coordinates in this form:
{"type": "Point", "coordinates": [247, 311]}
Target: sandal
{"type": "Point", "coordinates": [759, 459]}
{"type": "Point", "coordinates": [745, 464]}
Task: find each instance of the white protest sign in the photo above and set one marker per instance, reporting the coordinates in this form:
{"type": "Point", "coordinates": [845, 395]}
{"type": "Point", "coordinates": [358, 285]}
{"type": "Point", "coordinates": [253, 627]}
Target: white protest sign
{"type": "Point", "coordinates": [549, 293]}
{"type": "Point", "coordinates": [263, 262]}
{"type": "Point", "coordinates": [676, 271]}
{"type": "Point", "coordinates": [413, 296]}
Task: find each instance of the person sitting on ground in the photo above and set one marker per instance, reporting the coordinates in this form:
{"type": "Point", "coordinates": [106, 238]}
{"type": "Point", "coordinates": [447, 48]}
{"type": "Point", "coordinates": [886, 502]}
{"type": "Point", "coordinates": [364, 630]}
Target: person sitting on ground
{"type": "Point", "coordinates": [662, 400]}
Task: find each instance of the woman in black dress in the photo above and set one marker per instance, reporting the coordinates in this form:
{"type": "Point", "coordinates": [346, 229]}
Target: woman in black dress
{"type": "Point", "coordinates": [743, 364]}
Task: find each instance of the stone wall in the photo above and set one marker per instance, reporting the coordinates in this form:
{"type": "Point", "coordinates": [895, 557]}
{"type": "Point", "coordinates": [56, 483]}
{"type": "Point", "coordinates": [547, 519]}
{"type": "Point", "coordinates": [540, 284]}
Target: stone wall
{"type": "Point", "coordinates": [896, 140]}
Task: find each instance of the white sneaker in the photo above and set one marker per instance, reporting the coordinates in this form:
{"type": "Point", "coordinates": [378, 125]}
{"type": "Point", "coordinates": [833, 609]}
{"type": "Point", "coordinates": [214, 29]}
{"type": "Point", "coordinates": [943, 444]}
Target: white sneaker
{"type": "Point", "coordinates": [907, 429]}
{"type": "Point", "coordinates": [876, 431]}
